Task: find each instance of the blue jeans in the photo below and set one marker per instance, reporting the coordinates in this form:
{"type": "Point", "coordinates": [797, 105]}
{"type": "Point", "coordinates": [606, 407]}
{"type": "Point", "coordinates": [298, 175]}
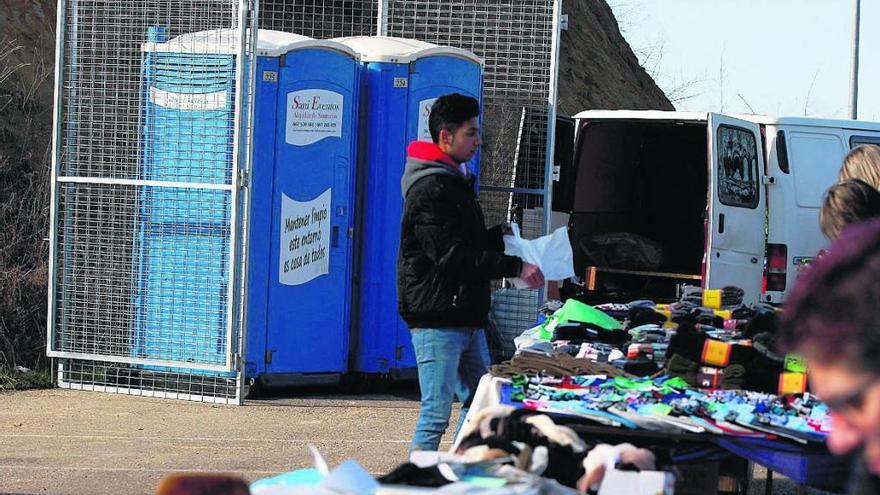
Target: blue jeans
{"type": "Point", "coordinates": [451, 362]}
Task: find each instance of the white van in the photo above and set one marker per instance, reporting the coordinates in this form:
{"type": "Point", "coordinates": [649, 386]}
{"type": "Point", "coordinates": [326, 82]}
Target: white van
{"type": "Point", "coordinates": [661, 199]}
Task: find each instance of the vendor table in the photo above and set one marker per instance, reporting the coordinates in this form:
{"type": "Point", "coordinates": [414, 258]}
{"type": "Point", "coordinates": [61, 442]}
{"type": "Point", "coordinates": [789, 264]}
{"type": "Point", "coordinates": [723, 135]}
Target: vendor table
{"type": "Point", "coordinates": [808, 465]}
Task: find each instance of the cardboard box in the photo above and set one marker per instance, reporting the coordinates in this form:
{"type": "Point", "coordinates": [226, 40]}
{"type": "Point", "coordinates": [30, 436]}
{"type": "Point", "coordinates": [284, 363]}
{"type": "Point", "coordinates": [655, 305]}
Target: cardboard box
{"type": "Point", "coordinates": [708, 377]}
{"type": "Point", "coordinates": [618, 482]}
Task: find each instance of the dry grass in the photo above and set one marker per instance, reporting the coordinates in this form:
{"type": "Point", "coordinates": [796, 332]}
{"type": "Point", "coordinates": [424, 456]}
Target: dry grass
{"type": "Point", "coordinates": [25, 157]}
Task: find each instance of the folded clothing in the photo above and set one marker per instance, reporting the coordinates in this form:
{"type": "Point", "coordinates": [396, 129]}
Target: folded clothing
{"type": "Point", "coordinates": [554, 364]}
{"type": "Point", "coordinates": [761, 323]}
{"type": "Point", "coordinates": [638, 316]}
{"type": "Point", "coordinates": [412, 475]}
{"type": "Point", "coordinates": [726, 297]}
{"type": "Point", "coordinates": [734, 377]}
{"type": "Point", "coordinates": [579, 332]}
{"type": "Point", "coordinates": [680, 366]}
{"type": "Point", "coordinates": [637, 366]}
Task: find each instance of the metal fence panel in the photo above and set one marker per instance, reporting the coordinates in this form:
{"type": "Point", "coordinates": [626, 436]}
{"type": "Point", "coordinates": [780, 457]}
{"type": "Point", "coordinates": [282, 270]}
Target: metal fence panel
{"type": "Point", "coordinates": [519, 43]}
{"type": "Point", "coordinates": [146, 287]}
{"type": "Point", "coordinates": [513, 312]}
{"type": "Point", "coordinates": [145, 197]}
{"type": "Point", "coordinates": [322, 19]}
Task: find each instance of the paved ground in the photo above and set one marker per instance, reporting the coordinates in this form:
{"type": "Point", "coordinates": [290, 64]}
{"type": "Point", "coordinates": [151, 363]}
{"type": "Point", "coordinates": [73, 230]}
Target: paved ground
{"type": "Point", "coordinates": [58, 441]}
{"type": "Point", "coordinates": [72, 442]}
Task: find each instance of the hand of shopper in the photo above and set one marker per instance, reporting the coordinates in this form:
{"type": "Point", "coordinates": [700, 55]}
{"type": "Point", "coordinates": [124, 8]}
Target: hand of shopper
{"type": "Point", "coordinates": [596, 461]}
{"type": "Point", "coordinates": [531, 275]}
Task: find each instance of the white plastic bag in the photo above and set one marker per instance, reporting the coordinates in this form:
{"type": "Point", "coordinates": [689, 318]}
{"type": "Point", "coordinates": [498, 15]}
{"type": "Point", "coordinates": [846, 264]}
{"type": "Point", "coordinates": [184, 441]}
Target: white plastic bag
{"type": "Point", "coordinates": [551, 253]}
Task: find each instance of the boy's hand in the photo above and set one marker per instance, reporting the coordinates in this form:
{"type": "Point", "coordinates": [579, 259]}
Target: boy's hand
{"type": "Point", "coordinates": [531, 275]}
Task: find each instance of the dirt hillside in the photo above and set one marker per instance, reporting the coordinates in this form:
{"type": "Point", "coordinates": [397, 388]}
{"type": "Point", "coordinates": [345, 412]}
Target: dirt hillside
{"type": "Point", "coordinates": [26, 64]}
{"type": "Point", "coordinates": [597, 68]}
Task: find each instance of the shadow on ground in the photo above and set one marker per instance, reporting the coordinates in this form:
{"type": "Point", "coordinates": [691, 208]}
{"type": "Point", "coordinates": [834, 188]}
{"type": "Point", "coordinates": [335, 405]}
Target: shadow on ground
{"type": "Point", "coordinates": [370, 391]}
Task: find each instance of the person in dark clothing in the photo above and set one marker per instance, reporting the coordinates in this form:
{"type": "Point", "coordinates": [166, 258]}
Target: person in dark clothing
{"type": "Point", "coordinates": [833, 320]}
{"type": "Point", "coordinates": [445, 263]}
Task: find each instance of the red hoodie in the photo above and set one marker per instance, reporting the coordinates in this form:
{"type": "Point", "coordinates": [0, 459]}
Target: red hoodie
{"type": "Point", "coordinates": [430, 152]}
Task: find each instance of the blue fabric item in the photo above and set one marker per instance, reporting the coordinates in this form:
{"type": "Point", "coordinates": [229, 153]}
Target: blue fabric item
{"type": "Point", "coordinates": [300, 477]}
{"type": "Point", "coordinates": [451, 362]}
{"type": "Point", "coordinates": [811, 465]}
{"type": "Point", "coordinates": [699, 454]}
{"type": "Point", "coordinates": [643, 303]}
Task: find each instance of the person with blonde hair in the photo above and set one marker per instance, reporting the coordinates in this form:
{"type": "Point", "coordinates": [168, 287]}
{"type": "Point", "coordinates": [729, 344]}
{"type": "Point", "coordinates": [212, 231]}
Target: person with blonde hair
{"type": "Point", "coordinates": [848, 202]}
{"type": "Point", "coordinates": [862, 162]}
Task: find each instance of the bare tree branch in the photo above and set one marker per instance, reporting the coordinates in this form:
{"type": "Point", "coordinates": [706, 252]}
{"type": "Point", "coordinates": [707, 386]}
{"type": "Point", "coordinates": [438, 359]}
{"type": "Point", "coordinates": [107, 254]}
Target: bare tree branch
{"type": "Point", "coordinates": [810, 92]}
{"type": "Point", "coordinates": [744, 101]}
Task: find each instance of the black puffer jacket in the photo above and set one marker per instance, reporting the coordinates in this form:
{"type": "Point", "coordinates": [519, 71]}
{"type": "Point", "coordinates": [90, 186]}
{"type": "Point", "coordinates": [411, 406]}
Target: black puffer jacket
{"type": "Point", "coordinates": [447, 256]}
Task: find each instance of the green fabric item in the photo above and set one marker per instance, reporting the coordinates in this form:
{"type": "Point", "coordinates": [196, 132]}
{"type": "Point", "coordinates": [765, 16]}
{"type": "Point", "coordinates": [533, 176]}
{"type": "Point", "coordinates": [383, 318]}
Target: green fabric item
{"type": "Point", "coordinates": [795, 363]}
{"type": "Point", "coordinates": [622, 383]}
{"type": "Point", "coordinates": [546, 328]}
{"type": "Point", "coordinates": [677, 382]}
{"type": "Point", "coordinates": [576, 311]}
{"type": "Point", "coordinates": [662, 409]}
{"type": "Point", "coordinates": [485, 481]}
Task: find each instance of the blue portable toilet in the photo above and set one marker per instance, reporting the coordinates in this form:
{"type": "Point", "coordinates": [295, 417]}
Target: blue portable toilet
{"type": "Point", "coordinates": [182, 240]}
{"type": "Point", "coordinates": [302, 188]}
{"type": "Point", "coordinates": [301, 232]}
{"type": "Point", "coordinates": [403, 78]}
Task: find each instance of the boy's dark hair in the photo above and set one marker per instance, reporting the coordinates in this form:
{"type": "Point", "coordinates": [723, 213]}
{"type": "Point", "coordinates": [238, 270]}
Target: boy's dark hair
{"type": "Point", "coordinates": [833, 312]}
{"type": "Point", "coordinates": [450, 112]}
{"type": "Point", "coordinates": [848, 202]}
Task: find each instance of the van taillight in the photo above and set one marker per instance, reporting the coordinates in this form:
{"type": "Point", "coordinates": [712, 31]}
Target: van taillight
{"type": "Point", "coordinates": [777, 264]}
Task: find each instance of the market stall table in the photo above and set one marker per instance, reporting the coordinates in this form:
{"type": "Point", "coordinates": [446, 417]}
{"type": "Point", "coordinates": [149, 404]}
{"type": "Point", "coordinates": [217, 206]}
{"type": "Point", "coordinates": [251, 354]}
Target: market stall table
{"type": "Point", "coordinates": [809, 465]}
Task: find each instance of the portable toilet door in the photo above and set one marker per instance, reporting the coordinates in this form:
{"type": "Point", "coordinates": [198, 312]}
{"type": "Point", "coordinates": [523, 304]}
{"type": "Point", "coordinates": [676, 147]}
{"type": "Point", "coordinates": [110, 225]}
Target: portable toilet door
{"type": "Point", "coordinates": [182, 240]}
{"type": "Point", "coordinates": [303, 213]}
{"type": "Point", "coordinates": [403, 77]}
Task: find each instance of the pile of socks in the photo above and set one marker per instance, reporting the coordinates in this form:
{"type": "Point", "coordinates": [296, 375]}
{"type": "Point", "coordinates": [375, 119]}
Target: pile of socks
{"type": "Point", "coordinates": [716, 298]}
{"type": "Point", "coordinates": [729, 346]}
{"type": "Point", "coordinates": [753, 365]}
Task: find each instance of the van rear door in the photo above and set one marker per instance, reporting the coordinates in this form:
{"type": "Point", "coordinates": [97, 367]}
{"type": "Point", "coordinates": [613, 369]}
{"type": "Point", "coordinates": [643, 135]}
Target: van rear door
{"type": "Point", "coordinates": [735, 250]}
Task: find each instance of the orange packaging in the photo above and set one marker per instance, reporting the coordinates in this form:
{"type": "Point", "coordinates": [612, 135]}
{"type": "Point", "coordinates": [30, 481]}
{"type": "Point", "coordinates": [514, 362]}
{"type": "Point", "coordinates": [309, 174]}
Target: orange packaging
{"type": "Point", "coordinates": [716, 353]}
{"type": "Point", "coordinates": [792, 383]}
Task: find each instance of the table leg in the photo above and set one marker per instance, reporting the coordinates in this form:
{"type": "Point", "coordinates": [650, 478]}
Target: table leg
{"type": "Point", "coordinates": [768, 484]}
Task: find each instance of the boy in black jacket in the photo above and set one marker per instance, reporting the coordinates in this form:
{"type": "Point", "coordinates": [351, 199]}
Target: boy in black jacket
{"type": "Point", "coordinates": [446, 260]}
